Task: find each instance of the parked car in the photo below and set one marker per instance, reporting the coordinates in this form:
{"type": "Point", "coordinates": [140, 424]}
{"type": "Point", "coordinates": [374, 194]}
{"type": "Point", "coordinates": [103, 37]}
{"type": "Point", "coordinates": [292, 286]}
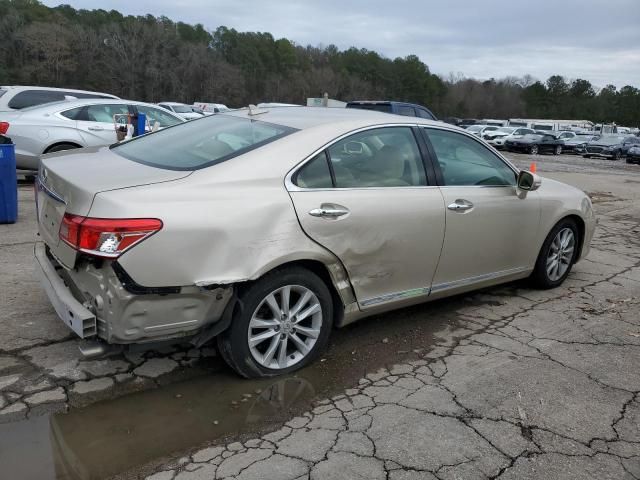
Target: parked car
{"type": "Point", "coordinates": [72, 124]}
{"type": "Point", "coordinates": [629, 142]}
{"type": "Point", "coordinates": [467, 122]}
{"type": "Point", "coordinates": [17, 97]}
{"type": "Point", "coordinates": [181, 109]}
{"type": "Point", "coordinates": [633, 155]}
{"type": "Point", "coordinates": [606, 146]}
{"type": "Point", "coordinates": [576, 144]}
{"type": "Point", "coordinates": [187, 234]}
{"type": "Point", "coordinates": [480, 130]}
{"type": "Point", "coordinates": [211, 108]}
{"type": "Point", "coordinates": [535, 143]}
{"type": "Point", "coordinates": [497, 138]}
{"type": "Point", "coordinates": [398, 108]}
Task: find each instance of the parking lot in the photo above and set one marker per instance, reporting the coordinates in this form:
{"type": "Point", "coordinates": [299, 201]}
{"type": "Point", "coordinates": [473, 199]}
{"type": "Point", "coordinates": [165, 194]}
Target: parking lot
{"type": "Point", "coordinates": [509, 382]}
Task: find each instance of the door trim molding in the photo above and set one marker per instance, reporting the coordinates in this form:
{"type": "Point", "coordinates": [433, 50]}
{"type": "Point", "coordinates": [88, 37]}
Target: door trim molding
{"type": "Point", "coordinates": [440, 287]}
{"type": "Point", "coordinates": [414, 292]}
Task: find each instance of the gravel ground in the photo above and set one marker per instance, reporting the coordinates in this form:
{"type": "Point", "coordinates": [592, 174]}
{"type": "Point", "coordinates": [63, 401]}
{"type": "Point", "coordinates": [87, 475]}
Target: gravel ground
{"type": "Point", "coordinates": [514, 383]}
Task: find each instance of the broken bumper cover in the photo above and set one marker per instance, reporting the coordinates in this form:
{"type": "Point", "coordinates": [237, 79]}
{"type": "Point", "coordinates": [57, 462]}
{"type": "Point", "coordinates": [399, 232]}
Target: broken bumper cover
{"type": "Point", "coordinates": [73, 313]}
{"type": "Point", "coordinates": [121, 313]}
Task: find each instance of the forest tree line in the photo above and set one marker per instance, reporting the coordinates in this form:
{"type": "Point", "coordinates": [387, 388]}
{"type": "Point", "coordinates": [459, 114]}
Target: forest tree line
{"type": "Point", "coordinates": [155, 59]}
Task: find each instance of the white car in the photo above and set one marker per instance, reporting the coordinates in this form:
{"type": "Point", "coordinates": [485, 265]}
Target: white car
{"type": "Point", "coordinates": [17, 97]}
{"type": "Point", "coordinates": [73, 124]}
{"type": "Point", "coordinates": [480, 130]}
{"type": "Point", "coordinates": [211, 108]}
{"type": "Point", "coordinates": [497, 138]}
{"type": "Point", "coordinates": [181, 109]}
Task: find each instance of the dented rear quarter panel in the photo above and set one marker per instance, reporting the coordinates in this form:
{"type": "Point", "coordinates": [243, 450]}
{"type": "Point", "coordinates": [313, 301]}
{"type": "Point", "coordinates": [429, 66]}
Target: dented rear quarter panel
{"type": "Point", "coordinates": [223, 224]}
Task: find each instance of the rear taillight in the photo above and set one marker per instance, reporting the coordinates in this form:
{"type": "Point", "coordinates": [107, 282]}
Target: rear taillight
{"type": "Point", "coordinates": [106, 237]}
{"type": "Point", "coordinates": [4, 126]}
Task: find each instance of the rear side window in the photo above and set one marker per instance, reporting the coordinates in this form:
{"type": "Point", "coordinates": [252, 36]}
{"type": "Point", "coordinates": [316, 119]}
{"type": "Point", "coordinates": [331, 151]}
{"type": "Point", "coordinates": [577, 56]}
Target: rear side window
{"type": "Point", "coordinates": [74, 114]}
{"type": "Point", "coordinates": [196, 145]}
{"type": "Point", "coordinates": [163, 118]}
{"type": "Point", "coordinates": [315, 174]}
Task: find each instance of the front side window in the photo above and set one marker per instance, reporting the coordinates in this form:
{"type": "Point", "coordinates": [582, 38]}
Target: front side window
{"type": "Point", "coordinates": [196, 145]}
{"type": "Point", "coordinates": [406, 111]}
{"type": "Point", "coordinates": [464, 161]}
{"type": "Point", "coordinates": [380, 157]}
{"type": "Point", "coordinates": [422, 113]}
{"type": "Point", "coordinates": [156, 115]}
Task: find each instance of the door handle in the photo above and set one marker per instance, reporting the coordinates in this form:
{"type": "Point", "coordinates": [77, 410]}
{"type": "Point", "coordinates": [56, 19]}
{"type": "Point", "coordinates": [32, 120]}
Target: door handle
{"type": "Point", "coordinates": [95, 128]}
{"type": "Point", "coordinates": [328, 210]}
{"type": "Point", "coordinates": [460, 206]}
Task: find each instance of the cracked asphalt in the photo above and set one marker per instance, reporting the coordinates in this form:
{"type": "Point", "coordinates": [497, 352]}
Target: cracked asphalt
{"type": "Point", "coordinates": [508, 382]}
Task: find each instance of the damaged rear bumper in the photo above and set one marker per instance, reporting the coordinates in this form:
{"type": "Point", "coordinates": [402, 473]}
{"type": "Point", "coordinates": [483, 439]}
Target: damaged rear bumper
{"type": "Point", "coordinates": [101, 300]}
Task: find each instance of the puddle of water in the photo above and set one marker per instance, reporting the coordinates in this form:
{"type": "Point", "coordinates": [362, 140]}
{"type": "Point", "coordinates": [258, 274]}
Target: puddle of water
{"type": "Point", "coordinates": [116, 436]}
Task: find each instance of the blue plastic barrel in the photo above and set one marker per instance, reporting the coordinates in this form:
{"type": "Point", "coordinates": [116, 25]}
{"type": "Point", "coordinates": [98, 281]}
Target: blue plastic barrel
{"type": "Point", "coordinates": [8, 184]}
{"type": "Point", "coordinates": [141, 125]}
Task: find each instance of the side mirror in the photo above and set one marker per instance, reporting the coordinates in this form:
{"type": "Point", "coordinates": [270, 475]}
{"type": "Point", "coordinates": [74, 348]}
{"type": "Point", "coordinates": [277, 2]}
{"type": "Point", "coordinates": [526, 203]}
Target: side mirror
{"type": "Point", "coordinates": [528, 181]}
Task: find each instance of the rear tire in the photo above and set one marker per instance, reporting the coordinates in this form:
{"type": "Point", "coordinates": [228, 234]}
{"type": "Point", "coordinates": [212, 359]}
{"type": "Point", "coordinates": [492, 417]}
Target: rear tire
{"type": "Point", "coordinates": [266, 336]}
{"type": "Point", "coordinates": [557, 255]}
{"type": "Point", "coordinates": [558, 150]}
{"type": "Point", "coordinates": [533, 150]}
{"type": "Point", "coordinates": [617, 155]}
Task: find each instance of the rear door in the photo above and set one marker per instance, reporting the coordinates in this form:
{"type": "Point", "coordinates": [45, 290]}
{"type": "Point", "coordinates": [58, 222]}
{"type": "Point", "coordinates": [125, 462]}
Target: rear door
{"type": "Point", "coordinates": [366, 198]}
{"type": "Point", "coordinates": [490, 229]}
{"type": "Point", "coordinates": [96, 123]}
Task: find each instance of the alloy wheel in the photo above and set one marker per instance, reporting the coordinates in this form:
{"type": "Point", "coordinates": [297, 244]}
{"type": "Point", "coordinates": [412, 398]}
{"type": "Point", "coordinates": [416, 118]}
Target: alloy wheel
{"type": "Point", "coordinates": [558, 149]}
{"type": "Point", "coordinates": [285, 327]}
{"type": "Point", "coordinates": [534, 150]}
{"type": "Point", "coordinates": [560, 254]}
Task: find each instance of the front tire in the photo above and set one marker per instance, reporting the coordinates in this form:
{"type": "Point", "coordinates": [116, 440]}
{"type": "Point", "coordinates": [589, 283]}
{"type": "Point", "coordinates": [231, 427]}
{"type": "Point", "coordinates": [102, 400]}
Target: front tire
{"type": "Point", "coordinates": [557, 255]}
{"type": "Point", "coordinates": [617, 155]}
{"type": "Point", "coordinates": [283, 324]}
{"type": "Point", "coordinates": [533, 150]}
{"type": "Point", "coordinates": [558, 150]}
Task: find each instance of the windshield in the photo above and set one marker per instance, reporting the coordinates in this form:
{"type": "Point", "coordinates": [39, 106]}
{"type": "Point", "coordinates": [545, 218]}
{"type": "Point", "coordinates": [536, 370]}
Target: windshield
{"type": "Point", "coordinates": [609, 140]}
{"type": "Point", "coordinates": [195, 145]}
{"type": "Point", "coordinates": [181, 109]}
{"type": "Point", "coordinates": [475, 128]}
{"type": "Point", "coordinates": [379, 107]}
{"type": "Point", "coordinates": [506, 129]}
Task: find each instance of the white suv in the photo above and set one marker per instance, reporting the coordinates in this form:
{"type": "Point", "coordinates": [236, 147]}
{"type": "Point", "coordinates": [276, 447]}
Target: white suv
{"type": "Point", "coordinates": [17, 97]}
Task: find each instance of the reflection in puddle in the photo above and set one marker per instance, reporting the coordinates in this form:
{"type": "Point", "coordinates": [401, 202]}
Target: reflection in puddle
{"type": "Point", "coordinates": [115, 436]}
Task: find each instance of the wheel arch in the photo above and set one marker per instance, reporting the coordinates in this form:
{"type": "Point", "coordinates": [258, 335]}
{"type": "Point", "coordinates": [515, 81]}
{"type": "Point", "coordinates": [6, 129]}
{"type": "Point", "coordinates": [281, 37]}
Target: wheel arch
{"type": "Point", "coordinates": [581, 231]}
{"type": "Point", "coordinates": [75, 145]}
{"type": "Point", "coordinates": [333, 276]}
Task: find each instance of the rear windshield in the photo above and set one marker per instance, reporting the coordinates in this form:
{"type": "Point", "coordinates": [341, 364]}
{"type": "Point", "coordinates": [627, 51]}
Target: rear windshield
{"type": "Point", "coordinates": [199, 144]}
{"type": "Point", "coordinates": [378, 107]}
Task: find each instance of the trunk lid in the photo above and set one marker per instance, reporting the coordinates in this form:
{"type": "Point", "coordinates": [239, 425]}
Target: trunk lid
{"type": "Point", "coordinates": [68, 182]}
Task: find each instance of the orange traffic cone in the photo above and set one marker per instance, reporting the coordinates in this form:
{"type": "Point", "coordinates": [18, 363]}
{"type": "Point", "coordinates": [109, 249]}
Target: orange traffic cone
{"type": "Point", "coordinates": [532, 167]}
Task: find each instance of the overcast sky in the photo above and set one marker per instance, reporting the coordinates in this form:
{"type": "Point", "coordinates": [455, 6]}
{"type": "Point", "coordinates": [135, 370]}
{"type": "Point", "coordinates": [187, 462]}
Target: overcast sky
{"type": "Point", "coordinates": [593, 39]}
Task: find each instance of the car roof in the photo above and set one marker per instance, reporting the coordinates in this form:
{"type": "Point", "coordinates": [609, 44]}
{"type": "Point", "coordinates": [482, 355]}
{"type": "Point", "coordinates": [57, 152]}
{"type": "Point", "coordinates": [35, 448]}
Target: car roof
{"type": "Point", "coordinates": [173, 103]}
{"type": "Point", "coordinates": [308, 117]}
{"type": "Point", "coordinates": [69, 104]}
{"type": "Point", "coordinates": [52, 89]}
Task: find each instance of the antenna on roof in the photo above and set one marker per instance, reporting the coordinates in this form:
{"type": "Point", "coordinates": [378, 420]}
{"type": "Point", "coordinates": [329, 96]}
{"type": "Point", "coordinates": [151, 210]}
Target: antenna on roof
{"type": "Point", "coordinates": [253, 110]}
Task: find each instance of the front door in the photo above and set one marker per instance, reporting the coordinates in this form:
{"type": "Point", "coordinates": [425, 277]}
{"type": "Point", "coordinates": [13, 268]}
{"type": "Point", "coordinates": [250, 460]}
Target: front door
{"type": "Point", "coordinates": [491, 229]}
{"type": "Point", "coordinates": [366, 199]}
